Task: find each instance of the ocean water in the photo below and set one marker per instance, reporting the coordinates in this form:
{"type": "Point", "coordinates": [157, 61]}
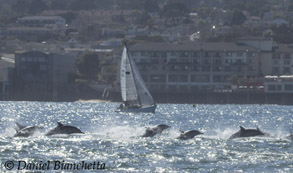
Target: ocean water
{"type": "Point", "coordinates": [112, 140]}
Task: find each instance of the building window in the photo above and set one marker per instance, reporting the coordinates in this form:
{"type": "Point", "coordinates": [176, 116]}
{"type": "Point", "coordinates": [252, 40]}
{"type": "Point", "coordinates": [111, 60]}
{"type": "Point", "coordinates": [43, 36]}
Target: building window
{"type": "Point", "coordinates": [251, 68]}
{"type": "Point", "coordinates": [174, 68]}
{"type": "Point", "coordinates": [229, 54]}
{"type": "Point", "coordinates": [206, 68]}
{"type": "Point", "coordinates": [217, 68]}
{"type": "Point", "coordinates": [286, 62]}
{"type": "Point", "coordinates": [172, 88]}
{"type": "Point", "coordinates": [288, 87]}
{"type": "Point", "coordinates": [195, 68]}
{"type": "Point", "coordinates": [184, 54]}
{"type": "Point", "coordinates": [183, 78]}
{"type": "Point", "coordinates": [185, 68]}
{"type": "Point", "coordinates": [217, 78]}
{"type": "Point", "coordinates": [206, 62]}
{"type": "Point", "coordinates": [207, 54]}
{"type": "Point", "coordinates": [228, 61]}
{"type": "Point", "coordinates": [196, 61]}
{"type": "Point", "coordinates": [154, 61]}
{"type": "Point", "coordinates": [276, 62]}
{"type": "Point", "coordinates": [42, 59]}
{"type": "Point", "coordinates": [23, 59]}
{"type": "Point", "coordinates": [173, 78]}
{"type": "Point", "coordinates": [185, 60]}
{"type": "Point", "coordinates": [217, 61]}
{"type": "Point", "coordinates": [251, 54]}
{"type": "Point", "coordinates": [172, 60]}
{"type": "Point", "coordinates": [287, 56]}
{"type": "Point", "coordinates": [199, 78]}
{"type": "Point", "coordinates": [276, 70]}
{"type": "Point", "coordinates": [286, 70]}
{"type": "Point", "coordinates": [250, 61]}
{"type": "Point", "coordinates": [155, 78]}
{"type": "Point", "coordinates": [274, 87]}
{"type": "Point", "coordinates": [239, 54]}
{"type": "Point", "coordinates": [218, 54]}
{"type": "Point", "coordinates": [29, 59]}
{"type": "Point", "coordinates": [43, 67]}
{"type": "Point", "coordinates": [196, 54]}
{"type": "Point", "coordinates": [227, 69]}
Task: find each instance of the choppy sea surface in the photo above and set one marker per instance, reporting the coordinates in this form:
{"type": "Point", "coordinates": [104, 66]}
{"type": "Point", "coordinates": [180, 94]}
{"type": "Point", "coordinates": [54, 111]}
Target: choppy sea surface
{"type": "Point", "coordinates": [113, 139]}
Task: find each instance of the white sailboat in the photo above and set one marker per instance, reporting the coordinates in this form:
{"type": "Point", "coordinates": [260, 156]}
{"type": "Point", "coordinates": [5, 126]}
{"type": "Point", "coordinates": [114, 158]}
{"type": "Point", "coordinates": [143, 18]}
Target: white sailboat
{"type": "Point", "coordinates": [135, 95]}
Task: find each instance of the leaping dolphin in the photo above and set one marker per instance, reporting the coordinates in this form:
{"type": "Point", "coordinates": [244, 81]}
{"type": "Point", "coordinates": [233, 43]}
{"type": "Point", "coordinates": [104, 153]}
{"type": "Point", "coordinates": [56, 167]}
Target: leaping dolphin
{"type": "Point", "coordinates": [63, 129]}
{"type": "Point", "coordinates": [247, 133]}
{"type": "Point", "coordinates": [189, 134]}
{"type": "Point", "coordinates": [25, 131]}
{"type": "Point", "coordinates": [150, 132]}
{"type": "Point", "coordinates": [290, 137]}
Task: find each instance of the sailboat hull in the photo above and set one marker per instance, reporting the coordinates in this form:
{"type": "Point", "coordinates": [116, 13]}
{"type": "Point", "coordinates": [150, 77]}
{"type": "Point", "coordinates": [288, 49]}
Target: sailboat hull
{"type": "Point", "coordinates": [144, 109]}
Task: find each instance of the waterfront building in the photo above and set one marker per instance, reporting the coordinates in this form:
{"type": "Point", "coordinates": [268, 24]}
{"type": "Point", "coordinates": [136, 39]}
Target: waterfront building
{"type": "Point", "coordinates": [40, 75]}
{"type": "Point", "coordinates": [197, 66]}
{"type": "Point", "coordinates": [194, 66]}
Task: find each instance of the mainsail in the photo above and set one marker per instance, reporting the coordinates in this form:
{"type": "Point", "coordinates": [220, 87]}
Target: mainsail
{"type": "Point", "coordinates": [133, 88]}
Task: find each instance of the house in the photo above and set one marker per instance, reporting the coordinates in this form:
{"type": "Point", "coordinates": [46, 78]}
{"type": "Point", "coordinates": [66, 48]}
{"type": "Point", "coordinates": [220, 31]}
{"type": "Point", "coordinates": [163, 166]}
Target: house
{"type": "Point", "coordinates": [227, 30]}
{"type": "Point", "coordinates": [254, 22]}
{"type": "Point", "coordinates": [279, 21]}
{"type": "Point", "coordinates": [42, 21]}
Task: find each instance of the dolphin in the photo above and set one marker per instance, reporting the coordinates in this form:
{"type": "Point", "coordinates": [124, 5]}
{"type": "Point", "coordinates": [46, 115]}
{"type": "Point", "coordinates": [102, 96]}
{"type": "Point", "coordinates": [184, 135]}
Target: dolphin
{"type": "Point", "coordinates": [25, 131]}
{"type": "Point", "coordinates": [189, 134]}
{"type": "Point", "coordinates": [290, 137]}
{"type": "Point", "coordinates": [63, 129]}
{"type": "Point", "coordinates": [150, 132]}
{"type": "Point", "coordinates": [247, 133]}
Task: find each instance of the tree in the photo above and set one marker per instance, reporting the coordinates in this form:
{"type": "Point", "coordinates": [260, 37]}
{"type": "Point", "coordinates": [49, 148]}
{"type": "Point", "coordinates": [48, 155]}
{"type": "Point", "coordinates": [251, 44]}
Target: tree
{"type": "Point", "coordinates": [142, 19]}
{"type": "Point", "coordinates": [3, 20]}
{"type": "Point", "coordinates": [88, 66]}
{"type": "Point", "coordinates": [69, 16]}
{"type": "Point", "coordinates": [37, 6]}
{"type": "Point", "coordinates": [238, 18]}
{"type": "Point", "coordinates": [174, 13]}
{"type": "Point", "coordinates": [151, 6]}
{"type": "Point", "coordinates": [58, 5]}
{"type": "Point", "coordinates": [83, 5]}
{"type": "Point", "coordinates": [21, 7]}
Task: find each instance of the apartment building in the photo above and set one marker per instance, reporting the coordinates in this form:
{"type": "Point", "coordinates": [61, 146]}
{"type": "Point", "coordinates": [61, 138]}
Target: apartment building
{"type": "Point", "coordinates": [40, 75]}
{"type": "Point", "coordinates": [194, 66]}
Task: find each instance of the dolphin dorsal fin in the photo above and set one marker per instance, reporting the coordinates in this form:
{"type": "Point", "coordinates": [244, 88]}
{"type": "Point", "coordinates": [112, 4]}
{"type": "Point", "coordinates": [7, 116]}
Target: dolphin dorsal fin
{"type": "Point", "coordinates": [257, 129]}
{"type": "Point", "coordinates": [242, 128]}
{"type": "Point", "coordinates": [60, 125]}
{"type": "Point", "coordinates": [19, 127]}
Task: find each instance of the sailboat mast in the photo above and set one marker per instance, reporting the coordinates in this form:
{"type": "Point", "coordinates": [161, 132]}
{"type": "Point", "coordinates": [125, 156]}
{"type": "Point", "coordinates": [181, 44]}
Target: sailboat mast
{"type": "Point", "coordinates": [130, 62]}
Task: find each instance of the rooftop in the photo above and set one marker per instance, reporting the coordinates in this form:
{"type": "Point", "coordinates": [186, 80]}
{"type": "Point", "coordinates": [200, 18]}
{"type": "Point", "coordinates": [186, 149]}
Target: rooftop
{"type": "Point", "coordinates": [191, 46]}
{"type": "Point", "coordinates": [40, 17]}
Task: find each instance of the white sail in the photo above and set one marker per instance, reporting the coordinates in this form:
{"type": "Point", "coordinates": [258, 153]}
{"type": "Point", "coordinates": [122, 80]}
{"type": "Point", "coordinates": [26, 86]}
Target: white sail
{"type": "Point", "coordinates": [128, 88]}
{"type": "Point", "coordinates": [133, 88]}
{"type": "Point", "coordinates": [143, 93]}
